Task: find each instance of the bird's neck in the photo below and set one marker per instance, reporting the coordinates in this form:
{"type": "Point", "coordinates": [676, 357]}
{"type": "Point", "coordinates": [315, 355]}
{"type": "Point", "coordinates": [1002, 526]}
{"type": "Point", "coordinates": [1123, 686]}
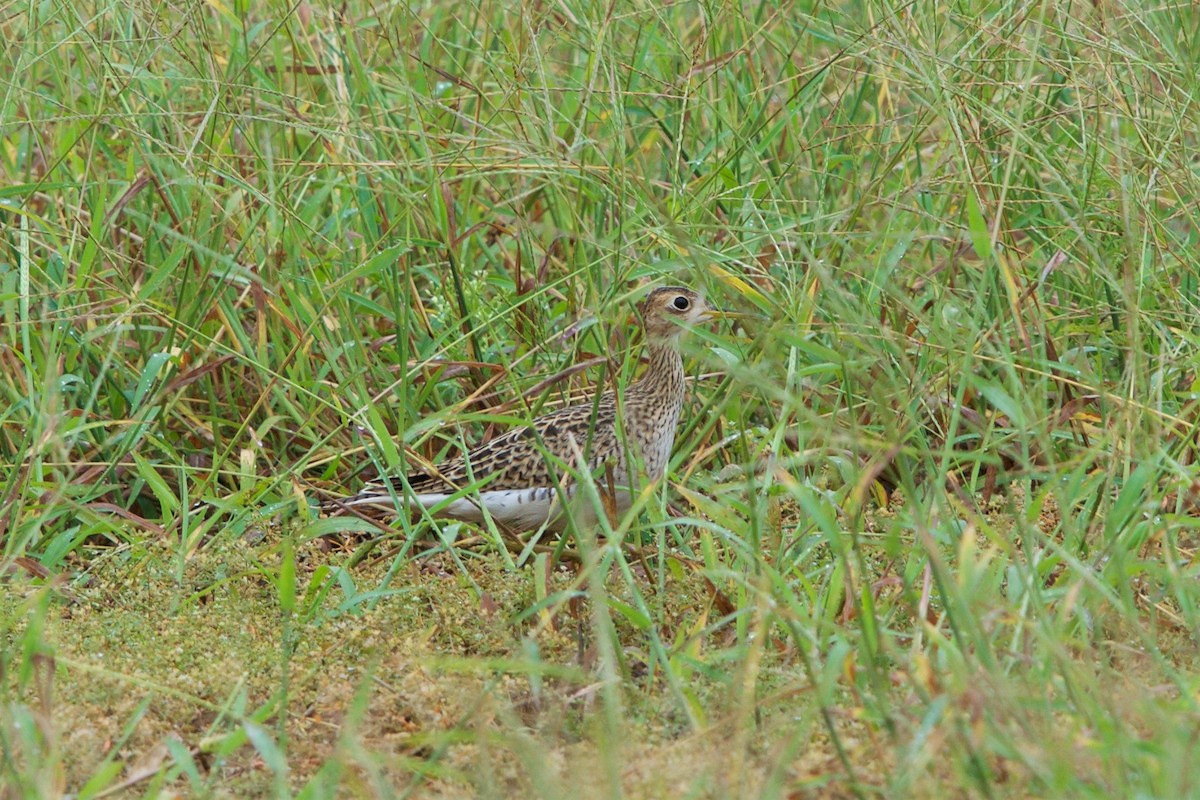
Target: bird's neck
{"type": "Point", "coordinates": [664, 374]}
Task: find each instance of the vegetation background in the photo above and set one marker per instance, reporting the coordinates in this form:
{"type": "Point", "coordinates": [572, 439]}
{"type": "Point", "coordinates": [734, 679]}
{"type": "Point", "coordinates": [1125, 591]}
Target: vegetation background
{"type": "Point", "coordinates": [930, 528]}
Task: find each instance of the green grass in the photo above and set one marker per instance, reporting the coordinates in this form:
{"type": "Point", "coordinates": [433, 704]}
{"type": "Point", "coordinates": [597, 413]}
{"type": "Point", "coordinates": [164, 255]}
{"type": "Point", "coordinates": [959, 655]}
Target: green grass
{"type": "Point", "coordinates": [934, 527]}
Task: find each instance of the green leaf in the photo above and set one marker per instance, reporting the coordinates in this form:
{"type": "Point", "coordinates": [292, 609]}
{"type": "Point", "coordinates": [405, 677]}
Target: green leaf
{"type": "Point", "coordinates": [639, 620]}
{"type": "Point", "coordinates": [166, 497]}
{"type": "Point", "coordinates": [154, 365]}
{"type": "Point", "coordinates": [977, 226]}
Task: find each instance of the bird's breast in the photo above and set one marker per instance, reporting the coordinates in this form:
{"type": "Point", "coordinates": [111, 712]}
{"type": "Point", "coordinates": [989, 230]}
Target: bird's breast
{"type": "Point", "coordinates": [656, 437]}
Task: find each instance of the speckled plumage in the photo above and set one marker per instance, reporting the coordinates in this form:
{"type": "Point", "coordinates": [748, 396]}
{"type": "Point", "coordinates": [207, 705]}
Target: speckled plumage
{"type": "Point", "coordinates": [517, 484]}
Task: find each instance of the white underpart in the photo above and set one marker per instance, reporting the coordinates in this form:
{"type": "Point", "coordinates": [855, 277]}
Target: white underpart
{"type": "Point", "coordinates": [523, 509]}
{"type": "Point", "coordinates": [519, 509]}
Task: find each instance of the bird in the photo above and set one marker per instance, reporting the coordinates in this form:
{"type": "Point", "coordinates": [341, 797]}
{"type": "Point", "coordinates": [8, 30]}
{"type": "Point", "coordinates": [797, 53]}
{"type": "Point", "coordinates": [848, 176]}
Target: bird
{"type": "Point", "coordinates": [517, 476]}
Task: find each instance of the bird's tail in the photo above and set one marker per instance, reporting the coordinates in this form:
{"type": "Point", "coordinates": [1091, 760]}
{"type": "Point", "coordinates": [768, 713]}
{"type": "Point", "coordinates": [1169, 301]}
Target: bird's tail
{"type": "Point", "coordinates": [373, 494]}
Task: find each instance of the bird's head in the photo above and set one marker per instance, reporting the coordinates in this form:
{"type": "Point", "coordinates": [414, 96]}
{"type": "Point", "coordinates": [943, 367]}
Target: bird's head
{"type": "Point", "coordinates": [670, 310]}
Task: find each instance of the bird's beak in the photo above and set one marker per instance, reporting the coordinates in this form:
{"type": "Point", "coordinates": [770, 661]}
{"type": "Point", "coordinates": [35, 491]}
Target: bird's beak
{"type": "Point", "coordinates": [720, 313]}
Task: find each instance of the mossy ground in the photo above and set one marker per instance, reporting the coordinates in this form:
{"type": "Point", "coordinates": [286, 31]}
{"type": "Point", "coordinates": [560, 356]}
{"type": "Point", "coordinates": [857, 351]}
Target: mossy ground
{"type": "Point", "coordinates": [434, 679]}
{"type": "Point", "coordinates": [425, 686]}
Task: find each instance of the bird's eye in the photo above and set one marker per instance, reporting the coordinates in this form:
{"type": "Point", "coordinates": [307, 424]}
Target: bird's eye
{"type": "Point", "coordinates": [681, 303]}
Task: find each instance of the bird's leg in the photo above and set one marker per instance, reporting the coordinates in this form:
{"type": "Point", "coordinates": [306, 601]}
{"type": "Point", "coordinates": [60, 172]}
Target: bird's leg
{"type": "Point", "coordinates": [608, 496]}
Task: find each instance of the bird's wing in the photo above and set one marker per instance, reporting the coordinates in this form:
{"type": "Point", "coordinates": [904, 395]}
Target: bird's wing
{"type": "Point", "coordinates": [515, 460]}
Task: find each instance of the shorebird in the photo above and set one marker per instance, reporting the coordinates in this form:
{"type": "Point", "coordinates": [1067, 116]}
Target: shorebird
{"type": "Point", "coordinates": [518, 476]}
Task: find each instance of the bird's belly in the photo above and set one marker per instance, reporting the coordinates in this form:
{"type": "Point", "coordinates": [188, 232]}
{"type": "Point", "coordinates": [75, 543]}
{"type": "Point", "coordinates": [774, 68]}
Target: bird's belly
{"type": "Point", "coordinates": [521, 509]}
